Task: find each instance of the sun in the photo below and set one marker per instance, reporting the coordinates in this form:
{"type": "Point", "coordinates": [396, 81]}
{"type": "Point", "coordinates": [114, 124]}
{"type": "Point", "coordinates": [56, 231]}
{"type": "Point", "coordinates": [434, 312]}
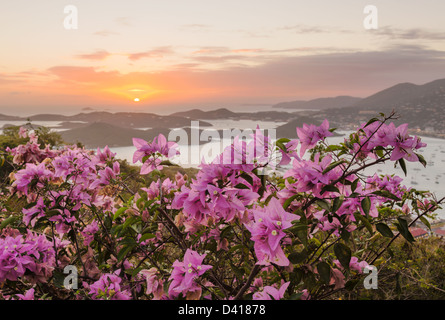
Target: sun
{"type": "Point", "coordinates": [136, 100]}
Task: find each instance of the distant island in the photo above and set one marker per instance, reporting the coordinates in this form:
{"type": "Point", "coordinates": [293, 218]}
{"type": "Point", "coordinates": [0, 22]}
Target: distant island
{"type": "Point", "coordinates": [422, 106]}
{"type": "Point", "coordinates": [319, 104]}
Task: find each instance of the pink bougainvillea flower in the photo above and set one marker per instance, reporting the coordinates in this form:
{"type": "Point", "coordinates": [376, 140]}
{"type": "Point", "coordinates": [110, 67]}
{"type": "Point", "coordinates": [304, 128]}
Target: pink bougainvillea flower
{"type": "Point", "coordinates": [29, 295]}
{"type": "Point", "coordinates": [267, 231]}
{"type": "Point", "coordinates": [109, 287]}
{"type": "Point", "coordinates": [185, 272]}
{"type": "Point", "coordinates": [309, 135]}
{"type": "Point", "coordinates": [286, 156]}
{"type": "Point", "coordinates": [270, 292]}
{"type": "Point", "coordinates": [150, 153]}
{"type": "Point", "coordinates": [155, 284]}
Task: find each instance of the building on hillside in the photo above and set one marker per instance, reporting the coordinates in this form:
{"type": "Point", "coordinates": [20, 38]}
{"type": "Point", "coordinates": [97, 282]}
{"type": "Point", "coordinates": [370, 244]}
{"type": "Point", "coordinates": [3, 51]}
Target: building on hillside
{"type": "Point", "coordinates": [418, 233]}
{"type": "Point", "coordinates": [439, 232]}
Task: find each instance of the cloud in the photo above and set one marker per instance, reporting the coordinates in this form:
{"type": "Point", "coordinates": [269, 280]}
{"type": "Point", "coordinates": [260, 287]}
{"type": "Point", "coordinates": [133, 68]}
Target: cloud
{"type": "Point", "coordinates": [299, 28]}
{"type": "Point", "coordinates": [219, 59]}
{"type": "Point", "coordinates": [123, 21]}
{"type": "Point", "coordinates": [309, 29]}
{"type": "Point", "coordinates": [105, 33]}
{"type": "Point", "coordinates": [154, 53]}
{"type": "Point", "coordinates": [277, 78]}
{"type": "Point", "coordinates": [246, 50]}
{"type": "Point", "coordinates": [409, 34]}
{"type": "Point", "coordinates": [212, 50]}
{"type": "Point", "coordinates": [196, 26]}
{"type": "Point", "coordinates": [82, 75]}
{"type": "Point", "coordinates": [95, 56]}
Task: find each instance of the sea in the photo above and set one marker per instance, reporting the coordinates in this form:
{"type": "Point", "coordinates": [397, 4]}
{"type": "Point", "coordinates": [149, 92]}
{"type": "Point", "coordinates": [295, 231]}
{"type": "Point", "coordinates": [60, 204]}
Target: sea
{"type": "Point", "coordinates": [431, 178]}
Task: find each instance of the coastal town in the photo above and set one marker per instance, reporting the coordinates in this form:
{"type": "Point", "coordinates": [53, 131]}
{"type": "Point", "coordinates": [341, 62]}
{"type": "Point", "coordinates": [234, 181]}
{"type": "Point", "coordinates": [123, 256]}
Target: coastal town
{"type": "Point", "coordinates": [420, 230]}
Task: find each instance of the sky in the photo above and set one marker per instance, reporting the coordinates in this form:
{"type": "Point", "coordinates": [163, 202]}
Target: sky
{"type": "Point", "coordinates": [170, 55]}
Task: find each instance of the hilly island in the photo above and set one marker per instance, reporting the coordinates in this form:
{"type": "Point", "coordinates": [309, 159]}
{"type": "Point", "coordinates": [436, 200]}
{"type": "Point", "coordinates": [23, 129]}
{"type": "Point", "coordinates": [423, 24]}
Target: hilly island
{"type": "Point", "coordinates": [421, 106]}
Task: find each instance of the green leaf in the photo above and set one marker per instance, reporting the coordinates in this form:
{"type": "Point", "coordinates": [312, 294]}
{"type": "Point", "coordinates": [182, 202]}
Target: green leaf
{"type": "Point", "coordinates": [351, 284]}
{"type": "Point", "coordinates": [296, 276]}
{"type": "Point", "coordinates": [386, 194]}
{"type": "Point", "coordinates": [343, 254]}
{"type": "Point", "coordinates": [124, 251]}
{"type": "Point", "coordinates": [283, 140]}
{"type": "Point", "coordinates": [239, 272]}
{"type": "Point", "coordinates": [354, 184]}
{"type": "Point", "coordinates": [51, 213]}
{"type": "Point", "coordinates": [168, 163]}
{"type": "Point", "coordinates": [115, 230]}
{"type": "Point", "coordinates": [309, 280]}
{"type": "Point", "coordinates": [298, 257]}
{"type": "Point", "coordinates": [365, 221]}
{"type": "Point", "coordinates": [8, 221]}
{"type": "Point", "coordinates": [281, 146]}
{"type": "Point", "coordinates": [425, 222]}
{"type": "Point", "coordinates": [247, 177]}
{"type": "Point", "coordinates": [300, 230]}
{"type": "Point", "coordinates": [329, 188]}
{"type": "Point", "coordinates": [119, 212]}
{"type": "Point", "coordinates": [366, 205]}
{"type": "Point", "coordinates": [324, 205]}
{"type": "Point", "coordinates": [289, 201]}
{"type": "Point", "coordinates": [146, 236]}
{"type": "Point", "coordinates": [403, 228]}
{"type": "Point", "coordinates": [324, 270]}
{"type": "Point", "coordinates": [241, 186]}
{"type": "Point", "coordinates": [128, 241]}
{"type": "Point", "coordinates": [403, 165]}
{"type": "Point", "coordinates": [371, 121]}
{"type": "Point", "coordinates": [384, 230]}
{"type": "Point", "coordinates": [336, 204]}
{"type": "Point", "coordinates": [421, 159]}
{"type": "Point", "coordinates": [333, 165]}
{"type": "Point", "coordinates": [333, 147]}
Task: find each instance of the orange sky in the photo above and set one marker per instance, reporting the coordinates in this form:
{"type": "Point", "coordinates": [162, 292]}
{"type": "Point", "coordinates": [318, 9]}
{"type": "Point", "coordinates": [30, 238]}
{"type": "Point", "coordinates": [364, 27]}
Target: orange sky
{"type": "Point", "coordinates": [210, 54]}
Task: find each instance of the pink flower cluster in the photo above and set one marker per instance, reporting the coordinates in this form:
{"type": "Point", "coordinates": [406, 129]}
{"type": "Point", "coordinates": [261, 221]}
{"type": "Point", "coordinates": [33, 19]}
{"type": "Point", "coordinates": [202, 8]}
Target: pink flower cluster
{"type": "Point", "coordinates": [108, 287]}
{"type": "Point", "coordinates": [309, 176]}
{"type": "Point", "coordinates": [150, 154]}
{"type": "Point", "coordinates": [184, 273]}
{"type": "Point", "coordinates": [31, 151]}
{"type": "Point", "coordinates": [72, 179]}
{"type": "Point", "coordinates": [393, 184]}
{"type": "Point", "coordinates": [403, 145]}
{"type": "Point", "coordinates": [267, 227]}
{"type": "Point", "coordinates": [31, 256]}
{"type": "Point", "coordinates": [309, 135]}
{"type": "Point", "coordinates": [269, 292]}
{"type": "Point", "coordinates": [214, 194]}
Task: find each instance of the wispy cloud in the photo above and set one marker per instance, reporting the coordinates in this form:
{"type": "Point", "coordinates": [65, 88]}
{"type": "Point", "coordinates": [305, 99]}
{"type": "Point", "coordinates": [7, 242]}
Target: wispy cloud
{"type": "Point", "coordinates": [123, 21]}
{"type": "Point", "coordinates": [196, 26]}
{"type": "Point", "coordinates": [409, 34]}
{"type": "Point", "coordinates": [153, 53]}
{"type": "Point", "coordinates": [212, 50]}
{"type": "Point", "coordinates": [352, 73]}
{"type": "Point", "coordinates": [95, 56]}
{"type": "Point", "coordinates": [310, 29]}
{"type": "Point", "coordinates": [105, 33]}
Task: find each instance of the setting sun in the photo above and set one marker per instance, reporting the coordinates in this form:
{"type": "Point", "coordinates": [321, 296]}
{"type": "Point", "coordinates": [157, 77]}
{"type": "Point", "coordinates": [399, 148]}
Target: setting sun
{"type": "Point", "coordinates": [136, 100]}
